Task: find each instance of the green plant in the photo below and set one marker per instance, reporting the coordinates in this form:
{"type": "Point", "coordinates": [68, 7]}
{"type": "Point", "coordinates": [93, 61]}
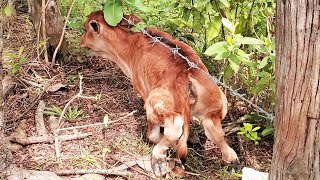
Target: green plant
{"type": "Point", "coordinates": [224, 173]}
{"type": "Point", "coordinates": [53, 110]}
{"type": "Point", "coordinates": [15, 60]}
{"type": "Point", "coordinates": [250, 132]}
{"type": "Point", "coordinates": [72, 114]}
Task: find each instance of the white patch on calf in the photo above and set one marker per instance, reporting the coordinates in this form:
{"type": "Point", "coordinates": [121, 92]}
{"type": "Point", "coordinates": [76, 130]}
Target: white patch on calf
{"type": "Point", "coordinates": [174, 130]}
{"type": "Point", "coordinates": [155, 133]}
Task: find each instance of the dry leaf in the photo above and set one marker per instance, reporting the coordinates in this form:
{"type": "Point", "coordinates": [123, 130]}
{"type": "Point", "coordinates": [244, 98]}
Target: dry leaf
{"type": "Point", "coordinates": [55, 87]}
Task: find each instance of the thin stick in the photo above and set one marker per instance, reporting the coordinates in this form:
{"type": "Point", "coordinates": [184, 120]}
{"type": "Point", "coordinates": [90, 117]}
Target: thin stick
{"type": "Point", "coordinates": [62, 34]}
{"type": "Point", "coordinates": [79, 95]}
{"type": "Point", "coordinates": [97, 124]}
{"type": "Point", "coordinates": [44, 33]}
{"type": "Point", "coordinates": [94, 171]}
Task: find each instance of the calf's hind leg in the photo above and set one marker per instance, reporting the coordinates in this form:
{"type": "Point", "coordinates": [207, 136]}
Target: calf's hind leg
{"type": "Point", "coordinates": [172, 132]}
{"type": "Point", "coordinates": [213, 130]}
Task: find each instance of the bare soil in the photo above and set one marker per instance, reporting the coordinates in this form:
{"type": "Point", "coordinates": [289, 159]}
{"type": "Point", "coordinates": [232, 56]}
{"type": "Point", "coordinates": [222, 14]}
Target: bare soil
{"type": "Point", "coordinates": [117, 98]}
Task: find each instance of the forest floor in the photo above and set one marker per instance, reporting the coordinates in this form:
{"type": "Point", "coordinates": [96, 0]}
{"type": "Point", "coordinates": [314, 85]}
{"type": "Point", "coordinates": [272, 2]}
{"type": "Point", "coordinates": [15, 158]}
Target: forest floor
{"type": "Point", "coordinates": [123, 140]}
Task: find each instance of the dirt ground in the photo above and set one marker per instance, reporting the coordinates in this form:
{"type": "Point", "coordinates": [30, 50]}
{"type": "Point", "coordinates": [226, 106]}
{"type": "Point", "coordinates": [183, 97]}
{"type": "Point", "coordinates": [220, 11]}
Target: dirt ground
{"type": "Point", "coordinates": [124, 138]}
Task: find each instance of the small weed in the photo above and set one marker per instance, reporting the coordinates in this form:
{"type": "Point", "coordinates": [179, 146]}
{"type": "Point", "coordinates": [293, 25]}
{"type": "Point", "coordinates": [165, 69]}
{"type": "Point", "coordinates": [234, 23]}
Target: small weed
{"type": "Point", "coordinates": [53, 111]}
{"type": "Point", "coordinates": [72, 114]}
{"type": "Point", "coordinates": [15, 60]}
{"type": "Point", "coordinates": [85, 160]}
{"type": "Point", "coordinates": [250, 132]}
{"type": "Point", "coordinates": [224, 173]}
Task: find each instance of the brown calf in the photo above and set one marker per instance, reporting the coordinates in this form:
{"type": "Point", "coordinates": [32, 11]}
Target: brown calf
{"type": "Point", "coordinates": [172, 92]}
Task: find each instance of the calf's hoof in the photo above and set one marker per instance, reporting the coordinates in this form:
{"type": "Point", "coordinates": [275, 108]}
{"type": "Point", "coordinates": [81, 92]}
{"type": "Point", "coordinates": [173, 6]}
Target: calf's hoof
{"type": "Point", "coordinates": [159, 166]}
{"type": "Point", "coordinates": [230, 156]}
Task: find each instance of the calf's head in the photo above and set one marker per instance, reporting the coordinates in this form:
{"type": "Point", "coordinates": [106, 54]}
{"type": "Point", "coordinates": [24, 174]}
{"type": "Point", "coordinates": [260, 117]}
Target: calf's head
{"type": "Point", "coordinates": [98, 34]}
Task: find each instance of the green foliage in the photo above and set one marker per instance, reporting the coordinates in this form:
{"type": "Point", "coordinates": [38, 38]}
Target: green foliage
{"type": "Point", "coordinates": [250, 132]}
{"type": "Point", "coordinates": [15, 60]}
{"type": "Point", "coordinates": [53, 111]}
{"type": "Point", "coordinates": [6, 11]}
{"type": "Point", "coordinates": [73, 114]}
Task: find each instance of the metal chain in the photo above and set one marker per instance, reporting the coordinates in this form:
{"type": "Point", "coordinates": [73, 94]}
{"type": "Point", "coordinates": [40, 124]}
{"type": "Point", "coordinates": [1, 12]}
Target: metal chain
{"type": "Point", "coordinates": [191, 64]}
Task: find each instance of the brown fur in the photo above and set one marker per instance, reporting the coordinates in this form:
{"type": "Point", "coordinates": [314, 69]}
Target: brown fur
{"type": "Point", "coordinates": [164, 82]}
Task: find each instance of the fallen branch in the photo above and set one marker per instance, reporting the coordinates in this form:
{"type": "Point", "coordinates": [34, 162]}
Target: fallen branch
{"type": "Point", "coordinates": [46, 139]}
{"type": "Point", "coordinates": [39, 121]}
{"type": "Point", "coordinates": [94, 171]}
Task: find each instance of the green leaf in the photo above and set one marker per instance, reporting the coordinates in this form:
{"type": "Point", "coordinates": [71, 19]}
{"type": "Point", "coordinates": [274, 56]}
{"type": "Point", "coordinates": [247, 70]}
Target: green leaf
{"type": "Point", "coordinates": [234, 62]}
{"type": "Point", "coordinates": [225, 3]}
{"type": "Point", "coordinates": [106, 120]}
{"type": "Point", "coordinates": [263, 62]}
{"type": "Point", "coordinates": [264, 81]}
{"type": "Point", "coordinates": [186, 14]}
{"type": "Point", "coordinates": [222, 55]}
{"type": "Point", "coordinates": [137, 4]}
{"type": "Point", "coordinates": [247, 61]}
{"type": "Point", "coordinates": [267, 132]}
{"type": "Point", "coordinates": [229, 40]}
{"type": "Point", "coordinates": [87, 10]}
{"type": "Point", "coordinates": [20, 51]}
{"type": "Point", "coordinates": [216, 48]}
{"type": "Point", "coordinates": [250, 40]}
{"type": "Point", "coordinates": [209, 66]}
{"type": "Point", "coordinates": [112, 11]}
{"type": "Point", "coordinates": [7, 10]}
{"type": "Point", "coordinates": [240, 133]}
{"type": "Point", "coordinates": [258, 88]}
{"type": "Point", "coordinates": [213, 28]}
{"type": "Point", "coordinates": [202, 3]}
{"type": "Point", "coordinates": [228, 24]}
{"type": "Point", "coordinates": [244, 80]}
{"type": "Point", "coordinates": [263, 74]}
{"type": "Point", "coordinates": [256, 128]}
{"type": "Point", "coordinates": [247, 126]}
{"type": "Point", "coordinates": [241, 53]}
{"type": "Point", "coordinates": [227, 73]}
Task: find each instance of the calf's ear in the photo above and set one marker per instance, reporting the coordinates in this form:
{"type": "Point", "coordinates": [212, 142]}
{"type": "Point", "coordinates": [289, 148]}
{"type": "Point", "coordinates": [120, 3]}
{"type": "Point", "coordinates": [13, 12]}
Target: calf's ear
{"type": "Point", "coordinates": [124, 22]}
{"type": "Point", "coordinates": [94, 26]}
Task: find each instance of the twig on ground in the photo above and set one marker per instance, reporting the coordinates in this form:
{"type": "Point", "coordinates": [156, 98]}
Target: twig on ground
{"type": "Point", "coordinates": [96, 124]}
{"type": "Point", "coordinates": [62, 34]}
{"type": "Point", "coordinates": [94, 171]}
{"type": "Point", "coordinates": [32, 83]}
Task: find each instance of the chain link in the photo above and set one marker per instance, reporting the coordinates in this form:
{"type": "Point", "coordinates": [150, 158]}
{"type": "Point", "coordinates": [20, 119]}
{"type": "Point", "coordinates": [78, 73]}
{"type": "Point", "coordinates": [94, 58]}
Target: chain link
{"type": "Point", "coordinates": [175, 51]}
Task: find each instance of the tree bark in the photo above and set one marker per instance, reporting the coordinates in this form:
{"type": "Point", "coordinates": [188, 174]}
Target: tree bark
{"type": "Point", "coordinates": [52, 30]}
{"type": "Point", "coordinates": [297, 138]}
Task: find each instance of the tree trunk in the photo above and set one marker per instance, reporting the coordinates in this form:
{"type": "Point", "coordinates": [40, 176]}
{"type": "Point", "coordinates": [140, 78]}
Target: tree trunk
{"type": "Point", "coordinates": [296, 148]}
{"type": "Point", "coordinates": [53, 24]}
